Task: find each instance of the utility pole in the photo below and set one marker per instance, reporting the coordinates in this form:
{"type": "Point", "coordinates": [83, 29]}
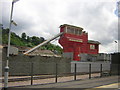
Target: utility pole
{"type": "Point", "coordinates": [8, 49]}
{"type": "Point", "coordinates": [115, 46]}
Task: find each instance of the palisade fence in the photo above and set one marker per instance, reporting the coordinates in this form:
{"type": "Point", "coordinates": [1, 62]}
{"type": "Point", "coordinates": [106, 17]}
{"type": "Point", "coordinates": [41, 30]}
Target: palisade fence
{"type": "Point", "coordinates": [39, 73]}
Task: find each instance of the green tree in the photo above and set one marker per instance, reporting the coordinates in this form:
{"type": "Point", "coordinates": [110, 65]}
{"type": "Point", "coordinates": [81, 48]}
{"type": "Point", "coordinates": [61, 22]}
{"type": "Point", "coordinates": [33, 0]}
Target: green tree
{"type": "Point", "coordinates": [35, 40]}
{"type": "Point", "coordinates": [42, 39]}
{"type": "Point", "coordinates": [23, 36]}
{"type": "Point", "coordinates": [29, 39]}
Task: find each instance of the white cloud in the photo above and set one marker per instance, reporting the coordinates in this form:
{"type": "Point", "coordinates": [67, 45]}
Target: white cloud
{"type": "Point", "coordinates": [43, 18]}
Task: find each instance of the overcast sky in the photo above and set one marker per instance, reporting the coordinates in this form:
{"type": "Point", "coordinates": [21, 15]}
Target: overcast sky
{"type": "Point", "coordinates": [42, 18]}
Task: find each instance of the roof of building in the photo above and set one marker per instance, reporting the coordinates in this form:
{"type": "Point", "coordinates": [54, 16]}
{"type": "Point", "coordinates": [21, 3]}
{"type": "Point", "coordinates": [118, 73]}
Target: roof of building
{"type": "Point", "coordinates": [43, 53]}
{"type": "Point", "coordinates": [23, 48]}
{"type": "Point", "coordinates": [71, 26]}
{"type": "Point", "coordinates": [38, 51]}
{"type": "Point", "coordinates": [94, 42]}
{"type": "Point", "coordinates": [6, 46]}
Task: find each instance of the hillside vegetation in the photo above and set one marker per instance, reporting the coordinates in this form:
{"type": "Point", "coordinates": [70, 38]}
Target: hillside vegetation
{"type": "Point", "coordinates": [28, 41]}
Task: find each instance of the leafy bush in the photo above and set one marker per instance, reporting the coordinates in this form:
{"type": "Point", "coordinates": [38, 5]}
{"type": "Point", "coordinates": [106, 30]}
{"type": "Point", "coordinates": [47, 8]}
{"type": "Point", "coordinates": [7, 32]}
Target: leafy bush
{"type": "Point", "coordinates": [28, 41]}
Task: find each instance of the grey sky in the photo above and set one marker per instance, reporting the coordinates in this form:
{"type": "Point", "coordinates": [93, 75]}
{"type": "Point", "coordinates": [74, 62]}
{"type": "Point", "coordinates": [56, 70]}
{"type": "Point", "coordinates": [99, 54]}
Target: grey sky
{"type": "Point", "coordinates": [43, 18]}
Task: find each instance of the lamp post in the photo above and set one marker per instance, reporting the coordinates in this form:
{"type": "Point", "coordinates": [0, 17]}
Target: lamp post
{"type": "Point", "coordinates": [115, 47]}
{"type": "Point", "coordinates": [8, 50]}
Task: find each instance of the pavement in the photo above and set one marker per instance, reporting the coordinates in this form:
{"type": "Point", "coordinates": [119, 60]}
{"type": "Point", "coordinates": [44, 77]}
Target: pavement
{"type": "Point", "coordinates": [114, 85]}
{"type": "Point", "coordinates": [88, 84]}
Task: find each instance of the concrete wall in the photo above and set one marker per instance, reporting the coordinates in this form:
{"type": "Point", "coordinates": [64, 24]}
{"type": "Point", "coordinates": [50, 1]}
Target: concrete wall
{"type": "Point", "coordinates": [21, 65]}
{"type": "Point", "coordinates": [68, 55]}
{"type": "Point", "coordinates": [90, 57]}
{"type": "Point", "coordinates": [104, 57]}
{"type": "Point", "coordinates": [84, 57]}
{"type": "Point", "coordinates": [95, 66]}
{"type": "Point", "coordinates": [13, 50]}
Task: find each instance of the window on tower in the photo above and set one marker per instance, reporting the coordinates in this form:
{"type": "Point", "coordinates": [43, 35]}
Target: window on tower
{"type": "Point", "coordinates": [92, 46]}
{"type": "Point", "coordinates": [73, 31]}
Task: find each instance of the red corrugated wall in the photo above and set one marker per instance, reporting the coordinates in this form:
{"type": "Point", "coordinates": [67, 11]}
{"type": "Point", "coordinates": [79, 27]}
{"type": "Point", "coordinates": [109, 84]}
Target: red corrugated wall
{"type": "Point", "coordinates": [77, 47]}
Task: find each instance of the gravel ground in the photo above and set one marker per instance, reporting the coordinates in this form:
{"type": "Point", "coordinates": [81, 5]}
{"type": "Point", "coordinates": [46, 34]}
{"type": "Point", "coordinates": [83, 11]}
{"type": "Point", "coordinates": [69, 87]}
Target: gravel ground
{"type": "Point", "coordinates": [48, 80]}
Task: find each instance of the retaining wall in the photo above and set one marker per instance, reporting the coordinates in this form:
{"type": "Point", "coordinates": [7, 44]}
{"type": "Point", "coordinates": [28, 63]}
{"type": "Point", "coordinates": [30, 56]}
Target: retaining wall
{"type": "Point", "coordinates": [22, 65]}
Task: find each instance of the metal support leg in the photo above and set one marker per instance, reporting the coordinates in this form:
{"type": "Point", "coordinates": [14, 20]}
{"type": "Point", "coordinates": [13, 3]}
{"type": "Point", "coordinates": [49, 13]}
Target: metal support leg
{"type": "Point", "coordinates": [31, 73]}
{"type": "Point", "coordinates": [100, 70]}
{"type": "Point", "coordinates": [75, 72]}
{"type": "Point", "coordinates": [89, 71]}
{"type": "Point", "coordinates": [56, 73]}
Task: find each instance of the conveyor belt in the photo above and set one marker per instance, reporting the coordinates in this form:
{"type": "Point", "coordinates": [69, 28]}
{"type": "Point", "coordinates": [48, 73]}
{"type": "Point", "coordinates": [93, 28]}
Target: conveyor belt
{"type": "Point", "coordinates": [45, 42]}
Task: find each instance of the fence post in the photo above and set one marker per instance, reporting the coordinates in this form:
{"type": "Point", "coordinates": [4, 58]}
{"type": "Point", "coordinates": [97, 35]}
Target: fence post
{"type": "Point", "coordinates": [31, 73]}
{"type": "Point", "coordinates": [110, 69]}
{"type": "Point", "coordinates": [56, 73]}
{"type": "Point", "coordinates": [100, 70]}
{"type": "Point", "coordinates": [89, 71]}
{"type": "Point", "coordinates": [75, 69]}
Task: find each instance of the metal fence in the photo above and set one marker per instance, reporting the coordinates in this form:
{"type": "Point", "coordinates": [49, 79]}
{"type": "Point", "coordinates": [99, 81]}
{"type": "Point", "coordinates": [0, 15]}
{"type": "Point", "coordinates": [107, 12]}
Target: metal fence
{"type": "Point", "coordinates": [41, 73]}
{"type": "Point", "coordinates": [95, 66]}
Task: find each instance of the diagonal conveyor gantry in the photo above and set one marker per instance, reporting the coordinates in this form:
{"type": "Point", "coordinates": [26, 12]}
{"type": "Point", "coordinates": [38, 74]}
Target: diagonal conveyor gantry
{"type": "Point", "coordinates": [41, 44]}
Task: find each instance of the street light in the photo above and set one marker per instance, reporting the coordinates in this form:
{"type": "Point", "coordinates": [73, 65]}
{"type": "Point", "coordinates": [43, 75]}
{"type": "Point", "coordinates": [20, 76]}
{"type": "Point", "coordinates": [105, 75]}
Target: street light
{"type": "Point", "coordinates": [115, 47]}
{"type": "Point", "coordinates": [8, 50]}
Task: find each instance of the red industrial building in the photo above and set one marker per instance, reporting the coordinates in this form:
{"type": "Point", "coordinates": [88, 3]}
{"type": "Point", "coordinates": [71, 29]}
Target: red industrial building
{"type": "Point", "coordinates": [74, 40]}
